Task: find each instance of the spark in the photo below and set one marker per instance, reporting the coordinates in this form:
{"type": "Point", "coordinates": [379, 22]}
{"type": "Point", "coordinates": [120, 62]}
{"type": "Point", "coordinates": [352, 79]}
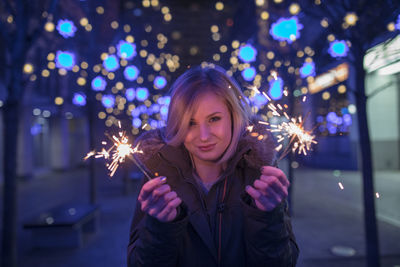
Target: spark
{"type": "Point", "coordinates": [377, 195]}
{"type": "Point", "coordinates": [118, 152]}
{"type": "Point", "coordinates": [250, 128]}
{"type": "Point", "coordinates": [304, 98]}
{"type": "Point", "coordinates": [291, 129]}
{"type": "Point", "coordinates": [285, 92]}
{"type": "Point", "coordinates": [274, 74]}
{"type": "Point", "coordinates": [254, 88]}
{"type": "Point", "coordinates": [340, 185]}
{"type": "Point", "coordinates": [88, 155]}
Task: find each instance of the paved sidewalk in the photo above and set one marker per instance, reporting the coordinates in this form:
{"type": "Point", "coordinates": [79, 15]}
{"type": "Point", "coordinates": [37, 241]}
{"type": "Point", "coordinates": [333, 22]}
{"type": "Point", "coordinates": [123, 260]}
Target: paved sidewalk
{"type": "Point", "coordinates": [324, 216]}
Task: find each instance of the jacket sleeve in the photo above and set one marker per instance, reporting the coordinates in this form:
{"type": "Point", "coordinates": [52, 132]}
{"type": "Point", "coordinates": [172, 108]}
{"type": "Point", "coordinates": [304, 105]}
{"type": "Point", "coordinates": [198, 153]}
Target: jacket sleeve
{"type": "Point", "coordinates": [268, 236]}
{"type": "Point", "coordinates": [155, 243]}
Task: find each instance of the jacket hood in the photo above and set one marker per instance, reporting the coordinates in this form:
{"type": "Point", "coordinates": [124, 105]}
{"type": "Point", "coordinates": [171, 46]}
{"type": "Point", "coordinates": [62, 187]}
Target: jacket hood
{"type": "Point", "coordinates": [256, 147]}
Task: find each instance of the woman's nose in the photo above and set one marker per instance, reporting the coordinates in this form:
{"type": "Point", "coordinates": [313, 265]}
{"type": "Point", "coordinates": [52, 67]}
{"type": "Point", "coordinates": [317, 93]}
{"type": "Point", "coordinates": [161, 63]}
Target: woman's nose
{"type": "Point", "coordinates": [204, 132]}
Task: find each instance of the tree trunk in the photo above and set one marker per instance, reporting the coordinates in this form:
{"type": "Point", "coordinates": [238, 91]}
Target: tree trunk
{"type": "Point", "coordinates": [371, 231]}
{"type": "Point", "coordinates": [9, 242]}
{"type": "Point", "coordinates": [92, 145]}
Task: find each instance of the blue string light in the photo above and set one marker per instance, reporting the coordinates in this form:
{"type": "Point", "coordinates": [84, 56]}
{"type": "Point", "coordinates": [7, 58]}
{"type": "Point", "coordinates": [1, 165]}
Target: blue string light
{"type": "Point", "coordinates": [338, 48]}
{"type": "Point", "coordinates": [164, 110]}
{"type": "Point", "coordinates": [130, 94]}
{"type": "Point", "coordinates": [247, 53]}
{"type": "Point", "coordinates": [108, 101]}
{"type": "Point", "coordinates": [259, 100]}
{"type": "Point", "coordinates": [99, 83]}
{"type": "Point", "coordinates": [249, 73]}
{"type": "Point", "coordinates": [276, 88]}
{"type": "Point", "coordinates": [142, 93]}
{"type": "Point", "coordinates": [160, 82]}
{"type": "Point", "coordinates": [308, 69]}
{"type": "Point", "coordinates": [65, 60]}
{"type": "Point", "coordinates": [126, 50]}
{"type": "Point", "coordinates": [286, 29]}
{"type": "Point", "coordinates": [79, 99]}
{"type": "Point", "coordinates": [131, 73]}
{"type": "Point", "coordinates": [136, 122]}
{"type": "Point", "coordinates": [66, 28]}
{"type": "Point", "coordinates": [110, 63]}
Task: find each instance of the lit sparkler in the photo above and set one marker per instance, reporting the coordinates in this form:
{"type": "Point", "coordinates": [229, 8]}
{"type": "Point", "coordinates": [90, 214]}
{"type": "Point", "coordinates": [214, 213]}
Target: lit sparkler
{"type": "Point", "coordinates": [118, 152]}
{"type": "Point", "coordinates": [291, 129]}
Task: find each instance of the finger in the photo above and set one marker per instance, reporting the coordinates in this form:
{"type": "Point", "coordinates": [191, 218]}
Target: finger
{"type": "Point", "coordinates": [156, 201]}
{"type": "Point", "coordinates": [170, 196]}
{"type": "Point", "coordinates": [148, 187]}
{"type": "Point", "coordinates": [254, 193]}
{"type": "Point", "coordinates": [272, 171]}
{"type": "Point", "coordinates": [160, 191]}
{"type": "Point", "coordinates": [154, 206]}
{"type": "Point", "coordinates": [276, 184]}
{"type": "Point", "coordinates": [268, 191]}
{"type": "Point", "coordinates": [159, 203]}
{"type": "Point", "coordinates": [171, 206]}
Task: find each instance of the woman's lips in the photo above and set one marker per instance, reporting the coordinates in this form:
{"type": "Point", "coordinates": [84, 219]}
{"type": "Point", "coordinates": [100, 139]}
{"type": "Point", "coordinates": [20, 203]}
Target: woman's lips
{"type": "Point", "coordinates": [207, 147]}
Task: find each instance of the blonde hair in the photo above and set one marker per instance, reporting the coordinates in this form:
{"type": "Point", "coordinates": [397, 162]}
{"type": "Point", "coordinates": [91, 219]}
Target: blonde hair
{"type": "Point", "coordinates": [186, 90]}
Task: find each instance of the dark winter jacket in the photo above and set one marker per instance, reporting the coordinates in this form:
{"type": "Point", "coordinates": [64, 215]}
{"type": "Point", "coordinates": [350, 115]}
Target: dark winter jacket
{"type": "Point", "coordinates": [220, 228]}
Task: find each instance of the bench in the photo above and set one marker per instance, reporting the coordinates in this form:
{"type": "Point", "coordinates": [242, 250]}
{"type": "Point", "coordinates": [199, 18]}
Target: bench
{"type": "Point", "coordinates": [63, 226]}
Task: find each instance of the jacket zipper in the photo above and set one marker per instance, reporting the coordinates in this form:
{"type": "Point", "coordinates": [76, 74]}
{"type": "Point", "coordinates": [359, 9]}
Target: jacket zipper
{"type": "Point", "coordinates": [221, 207]}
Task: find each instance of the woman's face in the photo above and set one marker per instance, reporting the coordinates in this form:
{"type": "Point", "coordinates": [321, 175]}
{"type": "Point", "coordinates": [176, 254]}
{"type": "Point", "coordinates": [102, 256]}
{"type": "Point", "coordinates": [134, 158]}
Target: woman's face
{"type": "Point", "coordinates": [210, 129]}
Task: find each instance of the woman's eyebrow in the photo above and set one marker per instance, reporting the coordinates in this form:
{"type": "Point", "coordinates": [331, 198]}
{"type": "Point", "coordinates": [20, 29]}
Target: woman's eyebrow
{"type": "Point", "coordinates": [214, 113]}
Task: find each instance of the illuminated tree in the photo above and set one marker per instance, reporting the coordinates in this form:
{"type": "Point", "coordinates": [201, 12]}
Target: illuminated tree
{"type": "Point", "coordinates": [21, 24]}
{"type": "Point", "coordinates": [359, 23]}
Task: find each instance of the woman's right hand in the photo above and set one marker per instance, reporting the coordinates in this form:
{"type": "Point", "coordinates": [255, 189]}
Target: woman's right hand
{"type": "Point", "coordinates": [157, 200]}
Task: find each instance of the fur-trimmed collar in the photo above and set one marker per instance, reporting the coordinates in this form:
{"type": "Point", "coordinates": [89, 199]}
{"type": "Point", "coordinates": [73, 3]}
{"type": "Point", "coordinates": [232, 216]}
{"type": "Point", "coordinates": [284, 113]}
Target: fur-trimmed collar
{"type": "Point", "coordinates": [256, 146]}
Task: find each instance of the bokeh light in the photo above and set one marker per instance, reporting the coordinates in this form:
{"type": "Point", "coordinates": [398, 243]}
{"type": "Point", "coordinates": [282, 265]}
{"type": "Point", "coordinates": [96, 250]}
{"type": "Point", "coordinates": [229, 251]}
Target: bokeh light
{"type": "Point", "coordinates": [142, 93]}
{"type": "Point", "coordinates": [308, 69]}
{"type": "Point", "coordinates": [108, 101]}
{"type": "Point", "coordinates": [126, 50]}
{"type": "Point", "coordinates": [248, 74]}
{"type": "Point", "coordinates": [276, 88]}
{"type": "Point", "coordinates": [338, 48]}
{"type": "Point", "coordinates": [160, 82]}
{"type": "Point", "coordinates": [247, 53]}
{"type": "Point", "coordinates": [66, 28]}
{"type": "Point", "coordinates": [131, 73]}
{"type": "Point", "coordinates": [130, 94]}
{"type": "Point", "coordinates": [79, 99]}
{"type": "Point", "coordinates": [99, 83]}
{"type": "Point", "coordinates": [286, 29]}
{"type": "Point", "coordinates": [65, 60]}
{"type": "Point", "coordinates": [110, 63]}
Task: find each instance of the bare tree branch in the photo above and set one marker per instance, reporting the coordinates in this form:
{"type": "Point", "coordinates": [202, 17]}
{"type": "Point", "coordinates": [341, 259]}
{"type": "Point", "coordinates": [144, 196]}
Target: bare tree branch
{"type": "Point", "coordinates": [10, 9]}
{"type": "Point", "coordinates": [5, 35]}
{"type": "Point", "coordinates": [35, 35]}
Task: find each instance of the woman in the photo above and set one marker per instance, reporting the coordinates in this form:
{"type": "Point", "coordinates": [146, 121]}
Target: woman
{"type": "Point", "coordinates": [218, 201]}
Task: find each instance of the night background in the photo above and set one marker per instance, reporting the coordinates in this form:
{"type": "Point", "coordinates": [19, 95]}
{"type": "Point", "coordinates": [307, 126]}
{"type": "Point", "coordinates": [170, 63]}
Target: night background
{"type": "Point", "coordinates": [74, 73]}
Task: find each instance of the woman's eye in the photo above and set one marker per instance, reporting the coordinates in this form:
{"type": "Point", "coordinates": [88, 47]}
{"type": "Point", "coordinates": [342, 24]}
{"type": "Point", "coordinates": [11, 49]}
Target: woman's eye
{"type": "Point", "coordinates": [191, 123]}
{"type": "Point", "coordinates": [213, 119]}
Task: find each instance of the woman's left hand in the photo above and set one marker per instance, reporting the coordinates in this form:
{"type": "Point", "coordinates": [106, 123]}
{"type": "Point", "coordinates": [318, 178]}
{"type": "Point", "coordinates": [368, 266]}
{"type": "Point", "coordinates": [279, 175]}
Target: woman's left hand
{"type": "Point", "coordinates": [270, 189]}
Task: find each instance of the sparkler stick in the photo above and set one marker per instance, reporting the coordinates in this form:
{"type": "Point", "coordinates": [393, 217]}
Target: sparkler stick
{"type": "Point", "coordinates": [140, 167]}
